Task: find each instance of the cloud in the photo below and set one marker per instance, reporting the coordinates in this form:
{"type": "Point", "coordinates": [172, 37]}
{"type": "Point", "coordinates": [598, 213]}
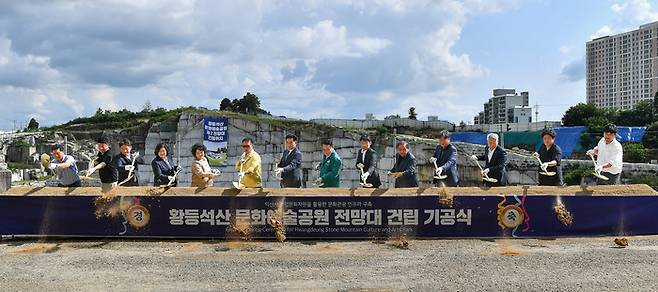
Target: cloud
{"type": "Point", "coordinates": [637, 10]}
{"type": "Point", "coordinates": [303, 59]}
{"type": "Point", "coordinates": [573, 71]}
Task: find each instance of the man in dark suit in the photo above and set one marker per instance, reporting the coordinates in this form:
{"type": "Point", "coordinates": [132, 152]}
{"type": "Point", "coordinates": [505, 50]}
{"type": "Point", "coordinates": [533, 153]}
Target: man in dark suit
{"type": "Point", "coordinates": [445, 157]}
{"type": "Point", "coordinates": [366, 159]}
{"type": "Point", "coordinates": [290, 165]}
{"type": "Point", "coordinates": [404, 169]}
{"type": "Point", "coordinates": [125, 166]}
{"type": "Point", "coordinates": [495, 159]}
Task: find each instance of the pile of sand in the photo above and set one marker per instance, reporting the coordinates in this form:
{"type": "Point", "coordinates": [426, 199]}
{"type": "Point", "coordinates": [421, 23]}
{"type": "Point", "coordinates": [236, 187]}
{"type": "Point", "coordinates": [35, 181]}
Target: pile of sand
{"type": "Point", "coordinates": [181, 191]}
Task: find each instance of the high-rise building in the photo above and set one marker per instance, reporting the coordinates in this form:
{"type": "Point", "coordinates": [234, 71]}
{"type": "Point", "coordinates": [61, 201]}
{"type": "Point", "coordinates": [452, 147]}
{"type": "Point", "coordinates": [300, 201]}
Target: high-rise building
{"type": "Point", "coordinates": [622, 69]}
{"type": "Point", "coordinates": [506, 106]}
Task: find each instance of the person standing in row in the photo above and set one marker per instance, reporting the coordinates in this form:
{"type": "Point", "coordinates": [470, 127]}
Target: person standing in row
{"type": "Point", "coordinates": [105, 165]}
{"type": "Point", "coordinates": [404, 169]}
{"type": "Point", "coordinates": [366, 162]}
{"type": "Point", "coordinates": [609, 156]}
{"type": "Point", "coordinates": [495, 158]}
{"type": "Point", "coordinates": [164, 169]}
{"type": "Point", "coordinates": [330, 166]}
{"type": "Point", "coordinates": [202, 174]}
{"type": "Point", "coordinates": [550, 155]}
{"type": "Point", "coordinates": [65, 168]}
{"type": "Point", "coordinates": [290, 165]}
{"type": "Point", "coordinates": [125, 166]}
{"type": "Point", "coordinates": [445, 158]}
{"type": "Point", "coordinates": [249, 165]}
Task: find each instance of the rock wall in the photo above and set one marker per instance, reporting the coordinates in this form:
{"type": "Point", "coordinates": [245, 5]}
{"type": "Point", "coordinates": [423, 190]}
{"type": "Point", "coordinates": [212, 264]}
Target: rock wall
{"type": "Point", "coordinates": [269, 143]}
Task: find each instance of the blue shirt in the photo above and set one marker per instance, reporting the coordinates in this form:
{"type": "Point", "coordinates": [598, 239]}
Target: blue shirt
{"type": "Point", "coordinates": [67, 176]}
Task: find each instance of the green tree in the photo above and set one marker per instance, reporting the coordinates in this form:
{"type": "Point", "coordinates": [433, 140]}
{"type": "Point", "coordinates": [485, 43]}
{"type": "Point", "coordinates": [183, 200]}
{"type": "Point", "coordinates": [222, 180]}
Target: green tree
{"type": "Point", "coordinates": [32, 125]}
{"type": "Point", "coordinates": [576, 115]}
{"type": "Point", "coordinates": [412, 113]}
{"type": "Point", "coordinates": [650, 138]}
{"type": "Point", "coordinates": [226, 104]}
{"type": "Point", "coordinates": [641, 115]}
{"type": "Point", "coordinates": [634, 152]}
{"type": "Point", "coordinates": [251, 104]}
{"type": "Point", "coordinates": [147, 107]}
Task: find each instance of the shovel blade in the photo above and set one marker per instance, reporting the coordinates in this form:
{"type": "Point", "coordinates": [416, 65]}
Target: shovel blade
{"type": "Point", "coordinates": [548, 173]}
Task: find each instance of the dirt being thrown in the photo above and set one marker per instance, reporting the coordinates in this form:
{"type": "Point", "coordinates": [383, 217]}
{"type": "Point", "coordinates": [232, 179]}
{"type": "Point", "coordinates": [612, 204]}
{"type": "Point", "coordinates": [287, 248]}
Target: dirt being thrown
{"type": "Point", "coordinates": [563, 215]}
{"type": "Point", "coordinates": [276, 221]}
{"type": "Point", "coordinates": [446, 199]}
{"type": "Point", "coordinates": [240, 229]}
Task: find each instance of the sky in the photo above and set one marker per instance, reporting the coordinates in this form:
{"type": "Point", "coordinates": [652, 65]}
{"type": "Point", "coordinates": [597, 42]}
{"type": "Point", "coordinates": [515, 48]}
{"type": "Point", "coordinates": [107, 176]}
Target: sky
{"type": "Point", "coordinates": [305, 59]}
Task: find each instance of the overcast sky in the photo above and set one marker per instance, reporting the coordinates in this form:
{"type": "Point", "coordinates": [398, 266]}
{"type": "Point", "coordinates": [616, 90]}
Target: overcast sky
{"type": "Point", "coordinates": [304, 59]}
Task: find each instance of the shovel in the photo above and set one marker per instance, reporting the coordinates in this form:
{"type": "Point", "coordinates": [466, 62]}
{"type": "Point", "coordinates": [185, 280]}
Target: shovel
{"type": "Point", "coordinates": [437, 168]}
{"type": "Point", "coordinates": [596, 173]}
{"type": "Point", "coordinates": [276, 165]}
{"type": "Point", "coordinates": [485, 177]}
{"type": "Point", "coordinates": [546, 173]}
{"type": "Point", "coordinates": [362, 182]}
{"type": "Point", "coordinates": [130, 173]}
{"type": "Point", "coordinates": [238, 184]}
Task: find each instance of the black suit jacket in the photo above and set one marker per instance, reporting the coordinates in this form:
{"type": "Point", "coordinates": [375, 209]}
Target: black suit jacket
{"type": "Point", "coordinates": [406, 165]}
{"type": "Point", "coordinates": [121, 162]}
{"type": "Point", "coordinates": [162, 171]}
{"type": "Point", "coordinates": [291, 162]}
{"type": "Point", "coordinates": [369, 166]}
{"type": "Point", "coordinates": [497, 165]}
{"type": "Point", "coordinates": [447, 159]}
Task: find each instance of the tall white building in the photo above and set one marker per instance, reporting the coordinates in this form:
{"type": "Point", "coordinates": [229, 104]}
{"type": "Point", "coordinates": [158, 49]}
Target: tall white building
{"type": "Point", "coordinates": [506, 106]}
{"type": "Point", "coordinates": [623, 69]}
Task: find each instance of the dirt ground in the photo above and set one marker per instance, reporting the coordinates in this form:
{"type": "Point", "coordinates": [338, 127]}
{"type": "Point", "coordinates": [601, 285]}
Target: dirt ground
{"type": "Point", "coordinates": [583, 264]}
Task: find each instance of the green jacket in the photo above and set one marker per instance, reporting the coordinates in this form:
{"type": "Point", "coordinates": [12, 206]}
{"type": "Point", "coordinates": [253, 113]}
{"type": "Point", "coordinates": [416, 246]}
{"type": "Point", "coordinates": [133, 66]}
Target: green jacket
{"type": "Point", "coordinates": [330, 168]}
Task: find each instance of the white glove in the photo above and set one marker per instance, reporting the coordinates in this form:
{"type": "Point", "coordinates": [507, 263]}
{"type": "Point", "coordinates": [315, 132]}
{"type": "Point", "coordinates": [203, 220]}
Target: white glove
{"type": "Point", "coordinates": [485, 172]}
{"type": "Point", "coordinates": [544, 166]}
{"type": "Point", "coordinates": [216, 172]}
{"type": "Point", "coordinates": [439, 171]}
{"type": "Point", "coordinates": [129, 168]}
{"type": "Point", "coordinates": [53, 166]}
{"type": "Point", "coordinates": [278, 171]}
{"type": "Point", "coordinates": [590, 152]}
{"type": "Point", "coordinates": [178, 168]}
{"type": "Point", "coordinates": [365, 176]}
{"type": "Point", "coordinates": [317, 166]}
{"type": "Point", "coordinates": [171, 178]}
{"type": "Point", "coordinates": [599, 168]}
{"type": "Point", "coordinates": [318, 181]}
{"type": "Point", "coordinates": [432, 160]}
{"type": "Point", "coordinates": [474, 157]}
{"type": "Point", "coordinates": [360, 166]}
{"type": "Point", "coordinates": [90, 171]}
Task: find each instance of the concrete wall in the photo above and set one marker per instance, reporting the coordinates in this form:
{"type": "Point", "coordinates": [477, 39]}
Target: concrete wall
{"type": "Point", "coordinates": [518, 127]}
{"type": "Point", "coordinates": [369, 124]}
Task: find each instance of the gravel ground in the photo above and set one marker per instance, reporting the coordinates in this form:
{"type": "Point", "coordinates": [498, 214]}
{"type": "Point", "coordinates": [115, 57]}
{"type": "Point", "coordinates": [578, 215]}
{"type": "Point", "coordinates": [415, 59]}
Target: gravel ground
{"type": "Point", "coordinates": [584, 264]}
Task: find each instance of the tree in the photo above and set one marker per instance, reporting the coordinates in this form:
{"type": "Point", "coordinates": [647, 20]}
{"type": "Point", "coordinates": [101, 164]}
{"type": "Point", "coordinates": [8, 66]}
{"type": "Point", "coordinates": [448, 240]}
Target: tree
{"type": "Point", "coordinates": [650, 138]}
{"type": "Point", "coordinates": [641, 115]}
{"type": "Point", "coordinates": [412, 113]}
{"type": "Point", "coordinates": [634, 152]}
{"type": "Point", "coordinates": [251, 104]}
{"type": "Point", "coordinates": [226, 104]}
{"type": "Point", "coordinates": [576, 115]}
{"type": "Point", "coordinates": [32, 125]}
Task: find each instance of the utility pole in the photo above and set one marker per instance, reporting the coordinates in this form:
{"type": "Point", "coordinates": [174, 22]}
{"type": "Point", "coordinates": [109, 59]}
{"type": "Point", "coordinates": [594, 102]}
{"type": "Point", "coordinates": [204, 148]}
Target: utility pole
{"type": "Point", "coordinates": [536, 112]}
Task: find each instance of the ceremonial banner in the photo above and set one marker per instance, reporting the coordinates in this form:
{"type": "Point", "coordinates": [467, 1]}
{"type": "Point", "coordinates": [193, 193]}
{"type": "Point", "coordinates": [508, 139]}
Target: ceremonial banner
{"type": "Point", "coordinates": [328, 217]}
